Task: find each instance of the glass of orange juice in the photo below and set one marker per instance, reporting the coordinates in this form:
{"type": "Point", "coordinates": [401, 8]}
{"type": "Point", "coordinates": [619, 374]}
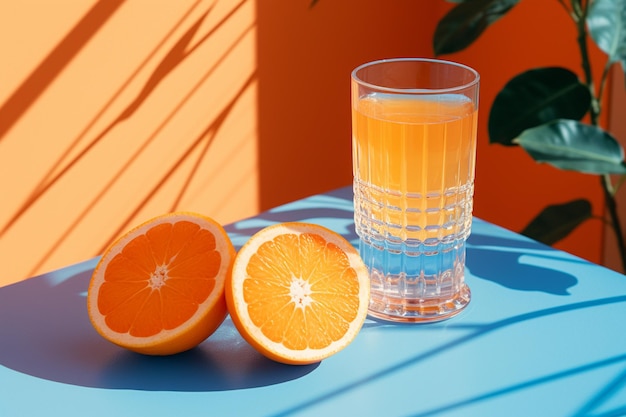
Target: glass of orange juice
{"type": "Point", "coordinates": [414, 152]}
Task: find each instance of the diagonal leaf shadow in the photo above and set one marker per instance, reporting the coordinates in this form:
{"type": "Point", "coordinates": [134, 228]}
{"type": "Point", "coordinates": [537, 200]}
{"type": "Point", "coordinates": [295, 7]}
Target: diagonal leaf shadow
{"type": "Point", "coordinates": [52, 65]}
{"type": "Point", "coordinates": [59, 162]}
{"type": "Point", "coordinates": [207, 136]}
{"type": "Point", "coordinates": [534, 382]}
{"type": "Point", "coordinates": [42, 188]}
{"type": "Point", "coordinates": [181, 50]}
{"type": "Point", "coordinates": [175, 56]}
{"type": "Point", "coordinates": [209, 133]}
{"type": "Point", "coordinates": [479, 331]}
{"type": "Point", "coordinates": [604, 396]}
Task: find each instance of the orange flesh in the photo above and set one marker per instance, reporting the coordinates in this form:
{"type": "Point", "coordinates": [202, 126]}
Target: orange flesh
{"type": "Point", "coordinates": [159, 279]}
{"type": "Point", "coordinates": [301, 291]}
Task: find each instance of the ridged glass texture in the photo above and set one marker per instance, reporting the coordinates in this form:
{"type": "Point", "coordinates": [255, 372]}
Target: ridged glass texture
{"type": "Point", "coordinates": [414, 279]}
{"type": "Point", "coordinates": [413, 196]}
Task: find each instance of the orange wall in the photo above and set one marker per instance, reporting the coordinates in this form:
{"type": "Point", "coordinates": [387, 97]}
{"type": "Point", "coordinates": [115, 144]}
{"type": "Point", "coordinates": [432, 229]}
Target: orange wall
{"type": "Point", "coordinates": [305, 60]}
{"type": "Point", "coordinates": [114, 111]}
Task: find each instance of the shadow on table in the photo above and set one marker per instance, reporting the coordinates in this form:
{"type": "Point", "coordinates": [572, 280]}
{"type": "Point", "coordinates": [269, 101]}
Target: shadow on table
{"type": "Point", "coordinates": [498, 260]}
{"type": "Point", "coordinates": [596, 400]}
{"type": "Point", "coordinates": [45, 332]}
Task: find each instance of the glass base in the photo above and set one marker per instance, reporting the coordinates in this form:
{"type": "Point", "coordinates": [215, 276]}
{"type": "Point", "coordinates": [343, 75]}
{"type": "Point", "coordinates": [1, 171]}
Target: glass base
{"type": "Point", "coordinates": [418, 311]}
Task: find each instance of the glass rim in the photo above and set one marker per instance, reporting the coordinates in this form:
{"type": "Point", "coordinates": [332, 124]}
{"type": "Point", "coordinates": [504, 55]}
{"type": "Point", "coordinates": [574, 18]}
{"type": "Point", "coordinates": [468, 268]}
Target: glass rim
{"type": "Point", "coordinates": [469, 84]}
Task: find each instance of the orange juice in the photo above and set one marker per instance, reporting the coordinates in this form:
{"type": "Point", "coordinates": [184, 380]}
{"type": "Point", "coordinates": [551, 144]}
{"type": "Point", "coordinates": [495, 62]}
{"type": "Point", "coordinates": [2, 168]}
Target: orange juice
{"type": "Point", "coordinates": [413, 187]}
{"type": "Point", "coordinates": [417, 157]}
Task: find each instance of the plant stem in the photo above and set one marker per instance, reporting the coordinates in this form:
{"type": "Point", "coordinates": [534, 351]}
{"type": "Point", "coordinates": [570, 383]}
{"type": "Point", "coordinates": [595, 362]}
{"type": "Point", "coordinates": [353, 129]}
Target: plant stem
{"type": "Point", "coordinates": [618, 183]}
{"type": "Point", "coordinates": [581, 23]}
{"type": "Point", "coordinates": [576, 9]}
{"type": "Point", "coordinates": [615, 221]}
{"type": "Point", "coordinates": [567, 9]}
{"type": "Point", "coordinates": [594, 114]}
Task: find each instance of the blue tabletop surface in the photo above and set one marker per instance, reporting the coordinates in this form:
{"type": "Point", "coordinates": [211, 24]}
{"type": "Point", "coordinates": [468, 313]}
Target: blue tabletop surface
{"type": "Point", "coordinates": [544, 335]}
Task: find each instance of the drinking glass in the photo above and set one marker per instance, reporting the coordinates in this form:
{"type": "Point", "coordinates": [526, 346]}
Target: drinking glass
{"type": "Point", "coordinates": [414, 151]}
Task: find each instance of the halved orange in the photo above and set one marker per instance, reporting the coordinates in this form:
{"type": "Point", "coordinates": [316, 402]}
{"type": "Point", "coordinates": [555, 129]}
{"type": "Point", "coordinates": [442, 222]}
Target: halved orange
{"type": "Point", "coordinates": [159, 289]}
{"type": "Point", "coordinates": [298, 293]}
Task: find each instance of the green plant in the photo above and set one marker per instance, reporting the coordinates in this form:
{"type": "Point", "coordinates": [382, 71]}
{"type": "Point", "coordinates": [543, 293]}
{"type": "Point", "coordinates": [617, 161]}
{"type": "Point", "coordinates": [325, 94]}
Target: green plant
{"type": "Point", "coordinates": [541, 109]}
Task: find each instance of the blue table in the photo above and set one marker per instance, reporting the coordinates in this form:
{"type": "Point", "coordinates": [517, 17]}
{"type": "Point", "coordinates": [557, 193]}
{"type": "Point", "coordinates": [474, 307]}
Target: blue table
{"type": "Point", "coordinates": [544, 335]}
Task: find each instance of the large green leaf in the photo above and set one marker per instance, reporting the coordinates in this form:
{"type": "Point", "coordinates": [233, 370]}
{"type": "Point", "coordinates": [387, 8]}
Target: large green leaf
{"type": "Point", "coordinates": [572, 145]}
{"type": "Point", "coordinates": [536, 97]}
{"type": "Point", "coordinates": [466, 21]}
{"type": "Point", "coordinates": [557, 221]}
{"type": "Point", "coordinates": [607, 25]}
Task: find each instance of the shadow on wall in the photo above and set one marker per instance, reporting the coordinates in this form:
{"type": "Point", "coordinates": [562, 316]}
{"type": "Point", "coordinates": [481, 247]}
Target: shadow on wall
{"type": "Point", "coordinates": [52, 65]}
{"type": "Point", "coordinates": [160, 123]}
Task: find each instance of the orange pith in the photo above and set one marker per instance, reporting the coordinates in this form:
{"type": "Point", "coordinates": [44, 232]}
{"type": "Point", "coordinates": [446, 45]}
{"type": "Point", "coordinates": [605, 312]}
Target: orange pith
{"type": "Point", "coordinates": [298, 292]}
{"type": "Point", "coordinates": [160, 288]}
